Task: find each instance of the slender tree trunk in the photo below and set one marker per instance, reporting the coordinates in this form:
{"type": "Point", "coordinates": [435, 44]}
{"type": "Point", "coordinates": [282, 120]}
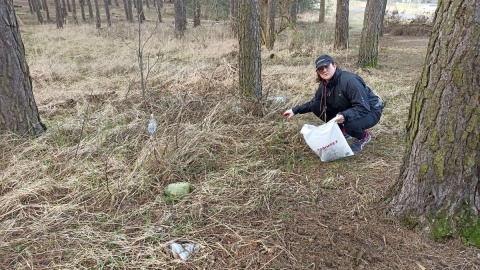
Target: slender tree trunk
{"type": "Point", "coordinates": [196, 13]}
{"type": "Point", "coordinates": [47, 12]}
{"type": "Point", "coordinates": [439, 180]}
{"type": "Point", "coordinates": [82, 10]}
{"type": "Point", "coordinates": [107, 13]}
{"type": "Point", "coordinates": [74, 12]}
{"type": "Point", "coordinates": [147, 3]}
{"type": "Point", "coordinates": [36, 7]}
{"type": "Point", "coordinates": [341, 25]}
{"type": "Point", "coordinates": [180, 18]}
{"type": "Point", "coordinates": [59, 13]}
{"type": "Point", "coordinates": [30, 5]}
{"type": "Point", "coordinates": [69, 8]}
{"type": "Point", "coordinates": [116, 3]}
{"type": "Point", "coordinates": [64, 10]}
{"type": "Point", "coordinates": [249, 55]}
{"type": "Point", "coordinates": [267, 22]}
{"type": "Point", "coordinates": [18, 110]}
{"type": "Point", "coordinates": [321, 13]}
{"type": "Point", "coordinates": [234, 17]}
{"type": "Point", "coordinates": [293, 13]}
{"type": "Point", "coordinates": [383, 17]}
{"type": "Point", "coordinates": [140, 14]}
{"type": "Point", "coordinates": [130, 10]}
{"type": "Point", "coordinates": [98, 21]}
{"type": "Point", "coordinates": [90, 10]}
{"type": "Point", "coordinates": [159, 7]}
{"type": "Point", "coordinates": [372, 22]}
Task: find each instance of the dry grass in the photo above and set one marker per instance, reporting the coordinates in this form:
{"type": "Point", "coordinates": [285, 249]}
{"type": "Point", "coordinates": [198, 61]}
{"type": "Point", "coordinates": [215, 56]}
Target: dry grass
{"type": "Point", "coordinates": [87, 194]}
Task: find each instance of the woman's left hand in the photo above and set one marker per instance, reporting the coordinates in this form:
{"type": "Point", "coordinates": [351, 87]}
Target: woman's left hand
{"type": "Point", "coordinates": [340, 118]}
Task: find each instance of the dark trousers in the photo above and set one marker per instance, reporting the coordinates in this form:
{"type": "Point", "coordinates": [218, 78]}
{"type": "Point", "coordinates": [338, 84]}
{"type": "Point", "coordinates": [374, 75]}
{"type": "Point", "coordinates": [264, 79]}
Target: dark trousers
{"type": "Point", "coordinates": [357, 127]}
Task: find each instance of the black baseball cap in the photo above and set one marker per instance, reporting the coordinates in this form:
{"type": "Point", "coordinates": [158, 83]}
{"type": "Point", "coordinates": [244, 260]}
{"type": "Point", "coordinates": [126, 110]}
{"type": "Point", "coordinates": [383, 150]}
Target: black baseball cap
{"type": "Point", "coordinates": [323, 60]}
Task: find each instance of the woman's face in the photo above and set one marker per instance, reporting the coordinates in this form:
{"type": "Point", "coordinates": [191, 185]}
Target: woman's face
{"type": "Point", "coordinates": [326, 72]}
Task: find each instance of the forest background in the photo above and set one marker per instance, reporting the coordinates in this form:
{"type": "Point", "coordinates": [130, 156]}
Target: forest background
{"type": "Point", "coordinates": [88, 194]}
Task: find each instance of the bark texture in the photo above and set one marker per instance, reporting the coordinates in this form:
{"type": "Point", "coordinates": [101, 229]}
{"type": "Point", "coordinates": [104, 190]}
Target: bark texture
{"type": "Point", "coordinates": [341, 25]}
{"type": "Point", "coordinates": [180, 18]}
{"type": "Point", "coordinates": [18, 110]}
{"type": "Point", "coordinates": [372, 24]}
{"type": "Point", "coordinates": [440, 171]}
{"type": "Point", "coordinates": [321, 13]}
{"type": "Point", "coordinates": [249, 57]}
{"type": "Point", "coordinates": [267, 22]}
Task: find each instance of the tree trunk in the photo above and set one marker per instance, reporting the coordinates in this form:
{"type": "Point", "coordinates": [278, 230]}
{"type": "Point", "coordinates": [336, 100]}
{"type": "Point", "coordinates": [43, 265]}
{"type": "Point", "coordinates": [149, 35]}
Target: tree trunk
{"type": "Point", "coordinates": [107, 13]}
{"type": "Point", "coordinates": [74, 12]}
{"type": "Point", "coordinates": [58, 14]}
{"type": "Point", "coordinates": [321, 13]}
{"type": "Point", "coordinates": [130, 10]}
{"type": "Point", "coordinates": [98, 21]}
{"type": "Point", "coordinates": [341, 26]}
{"type": "Point", "coordinates": [90, 10]}
{"type": "Point", "coordinates": [69, 9]}
{"type": "Point", "coordinates": [140, 14]}
{"type": "Point", "coordinates": [234, 17]}
{"type": "Point", "coordinates": [249, 57]}
{"type": "Point", "coordinates": [64, 10]}
{"type": "Point", "coordinates": [384, 9]}
{"type": "Point", "coordinates": [18, 110]}
{"type": "Point", "coordinates": [196, 13]}
{"type": "Point", "coordinates": [82, 10]}
{"type": "Point", "coordinates": [267, 22]}
{"type": "Point", "coordinates": [439, 178]}
{"type": "Point", "coordinates": [293, 13]}
{"type": "Point", "coordinates": [159, 6]}
{"type": "Point", "coordinates": [36, 7]}
{"type": "Point", "coordinates": [30, 5]}
{"type": "Point", "coordinates": [180, 18]}
{"type": "Point", "coordinates": [372, 22]}
{"type": "Point", "coordinates": [47, 12]}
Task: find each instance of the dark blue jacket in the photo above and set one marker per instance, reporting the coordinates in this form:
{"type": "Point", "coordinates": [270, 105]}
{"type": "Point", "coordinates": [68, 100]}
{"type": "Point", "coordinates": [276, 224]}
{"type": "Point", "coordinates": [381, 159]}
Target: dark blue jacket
{"type": "Point", "coordinates": [346, 93]}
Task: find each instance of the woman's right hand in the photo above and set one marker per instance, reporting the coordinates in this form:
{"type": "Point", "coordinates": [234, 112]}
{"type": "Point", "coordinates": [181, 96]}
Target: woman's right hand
{"type": "Point", "coordinates": [288, 114]}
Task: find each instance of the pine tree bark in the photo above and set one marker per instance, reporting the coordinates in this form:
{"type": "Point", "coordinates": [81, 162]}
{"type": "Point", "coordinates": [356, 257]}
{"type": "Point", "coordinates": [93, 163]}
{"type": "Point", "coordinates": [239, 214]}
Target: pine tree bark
{"type": "Point", "coordinates": [74, 12]}
{"type": "Point", "coordinates": [321, 12]}
{"type": "Point", "coordinates": [58, 14]}
{"type": "Point", "coordinates": [196, 13]}
{"type": "Point", "coordinates": [441, 166]}
{"type": "Point", "coordinates": [180, 18]}
{"type": "Point", "coordinates": [90, 10]}
{"type": "Point", "coordinates": [107, 13]}
{"type": "Point", "coordinates": [98, 21]}
{"type": "Point", "coordinates": [249, 56]}
{"type": "Point", "coordinates": [18, 110]}
{"type": "Point", "coordinates": [372, 23]}
{"type": "Point", "coordinates": [36, 7]}
{"type": "Point", "coordinates": [341, 25]}
{"type": "Point", "coordinates": [159, 6]}
{"type": "Point", "coordinates": [82, 10]}
{"type": "Point", "coordinates": [293, 13]}
{"type": "Point", "coordinates": [47, 12]}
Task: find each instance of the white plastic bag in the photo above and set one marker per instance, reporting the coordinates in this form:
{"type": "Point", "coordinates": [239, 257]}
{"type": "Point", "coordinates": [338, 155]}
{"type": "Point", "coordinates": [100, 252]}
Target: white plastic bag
{"type": "Point", "coordinates": [327, 141]}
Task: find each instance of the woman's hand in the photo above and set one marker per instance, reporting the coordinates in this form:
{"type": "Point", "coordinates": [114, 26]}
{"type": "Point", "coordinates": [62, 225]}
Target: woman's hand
{"type": "Point", "coordinates": [340, 118]}
{"type": "Point", "coordinates": [288, 114]}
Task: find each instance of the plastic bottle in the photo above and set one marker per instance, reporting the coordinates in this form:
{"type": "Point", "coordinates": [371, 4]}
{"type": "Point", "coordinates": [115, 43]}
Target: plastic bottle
{"type": "Point", "coordinates": [152, 125]}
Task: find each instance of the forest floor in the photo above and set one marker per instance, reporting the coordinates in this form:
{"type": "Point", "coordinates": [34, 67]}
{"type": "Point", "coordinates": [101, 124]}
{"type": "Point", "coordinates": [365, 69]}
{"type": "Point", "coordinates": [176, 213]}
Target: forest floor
{"type": "Point", "coordinates": [88, 193]}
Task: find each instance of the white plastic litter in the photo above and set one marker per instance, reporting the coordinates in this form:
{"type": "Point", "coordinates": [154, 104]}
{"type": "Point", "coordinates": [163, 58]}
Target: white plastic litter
{"type": "Point", "coordinates": [327, 141]}
{"type": "Point", "coordinates": [183, 251]}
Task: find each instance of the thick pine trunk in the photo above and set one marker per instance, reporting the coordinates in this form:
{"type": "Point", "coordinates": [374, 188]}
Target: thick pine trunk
{"type": "Point", "coordinates": [372, 22]}
{"type": "Point", "coordinates": [440, 172]}
{"type": "Point", "coordinates": [341, 25]}
{"type": "Point", "coordinates": [18, 110]}
{"type": "Point", "coordinates": [249, 57]}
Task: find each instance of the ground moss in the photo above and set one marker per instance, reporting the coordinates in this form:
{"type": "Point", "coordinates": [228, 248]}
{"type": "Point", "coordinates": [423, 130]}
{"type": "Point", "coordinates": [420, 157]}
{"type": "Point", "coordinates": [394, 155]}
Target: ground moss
{"type": "Point", "coordinates": [441, 228]}
{"type": "Point", "coordinates": [410, 221]}
{"type": "Point", "coordinates": [465, 225]}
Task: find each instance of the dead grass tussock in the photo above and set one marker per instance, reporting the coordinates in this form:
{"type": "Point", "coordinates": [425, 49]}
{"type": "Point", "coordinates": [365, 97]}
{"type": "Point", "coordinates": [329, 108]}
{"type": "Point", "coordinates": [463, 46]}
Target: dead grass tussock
{"type": "Point", "coordinates": [88, 193]}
